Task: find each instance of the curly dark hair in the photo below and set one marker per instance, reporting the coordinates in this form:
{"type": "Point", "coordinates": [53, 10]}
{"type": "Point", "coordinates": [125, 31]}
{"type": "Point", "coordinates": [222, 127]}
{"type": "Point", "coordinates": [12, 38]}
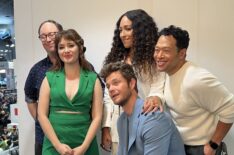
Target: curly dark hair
{"type": "Point", "coordinates": [145, 36]}
{"type": "Point", "coordinates": [72, 35]}
{"type": "Point", "coordinates": [181, 36]}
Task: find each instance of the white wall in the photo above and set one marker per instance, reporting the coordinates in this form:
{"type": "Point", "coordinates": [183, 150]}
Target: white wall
{"type": "Point", "coordinates": [210, 24]}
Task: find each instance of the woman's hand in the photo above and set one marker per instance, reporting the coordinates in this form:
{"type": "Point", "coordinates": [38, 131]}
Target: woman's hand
{"type": "Point", "coordinates": [152, 103]}
{"type": "Point", "coordinates": [64, 149]}
{"type": "Point", "coordinates": [80, 150]}
{"type": "Point", "coordinates": [106, 139]}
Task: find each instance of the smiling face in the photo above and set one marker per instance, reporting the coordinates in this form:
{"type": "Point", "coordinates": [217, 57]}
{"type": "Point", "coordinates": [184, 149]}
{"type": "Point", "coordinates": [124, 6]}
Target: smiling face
{"type": "Point", "coordinates": [68, 51]}
{"type": "Point", "coordinates": [167, 56]}
{"type": "Point", "coordinates": [47, 36]}
{"type": "Point", "coordinates": [126, 32]}
{"type": "Point", "coordinates": [119, 89]}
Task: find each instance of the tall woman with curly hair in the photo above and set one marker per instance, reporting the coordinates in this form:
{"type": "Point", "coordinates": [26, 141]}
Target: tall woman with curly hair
{"type": "Point", "coordinates": [134, 41]}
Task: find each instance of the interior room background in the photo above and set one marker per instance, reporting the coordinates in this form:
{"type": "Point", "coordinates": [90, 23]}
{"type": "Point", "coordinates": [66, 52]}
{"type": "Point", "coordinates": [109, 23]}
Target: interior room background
{"type": "Point", "coordinates": [210, 24]}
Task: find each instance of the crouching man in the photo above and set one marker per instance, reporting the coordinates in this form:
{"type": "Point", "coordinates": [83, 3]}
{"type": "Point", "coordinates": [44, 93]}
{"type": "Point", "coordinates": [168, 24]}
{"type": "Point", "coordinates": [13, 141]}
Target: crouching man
{"type": "Point", "coordinates": [151, 134]}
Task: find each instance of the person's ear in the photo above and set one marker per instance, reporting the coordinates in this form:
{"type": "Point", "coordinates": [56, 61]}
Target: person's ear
{"type": "Point", "coordinates": [133, 83]}
{"type": "Point", "coordinates": [182, 53]}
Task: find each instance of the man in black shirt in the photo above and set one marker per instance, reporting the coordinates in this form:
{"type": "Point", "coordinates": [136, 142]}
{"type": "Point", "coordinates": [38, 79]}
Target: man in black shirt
{"type": "Point", "coordinates": [47, 32]}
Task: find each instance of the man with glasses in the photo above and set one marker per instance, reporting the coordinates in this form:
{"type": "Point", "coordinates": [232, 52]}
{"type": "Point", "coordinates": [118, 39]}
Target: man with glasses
{"type": "Point", "coordinates": [47, 32]}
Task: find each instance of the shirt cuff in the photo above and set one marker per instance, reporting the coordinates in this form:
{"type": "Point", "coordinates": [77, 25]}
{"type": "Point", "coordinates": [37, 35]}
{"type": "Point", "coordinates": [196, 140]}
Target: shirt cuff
{"type": "Point", "coordinates": [106, 120]}
{"type": "Point", "coordinates": [29, 100]}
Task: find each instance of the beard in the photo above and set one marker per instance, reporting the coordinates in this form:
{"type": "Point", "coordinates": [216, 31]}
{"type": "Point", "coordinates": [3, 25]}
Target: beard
{"type": "Point", "coordinates": [124, 100]}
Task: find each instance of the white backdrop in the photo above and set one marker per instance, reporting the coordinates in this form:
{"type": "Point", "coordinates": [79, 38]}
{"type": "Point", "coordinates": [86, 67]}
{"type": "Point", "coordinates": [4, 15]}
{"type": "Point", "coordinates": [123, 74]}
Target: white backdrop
{"type": "Point", "coordinates": [210, 24]}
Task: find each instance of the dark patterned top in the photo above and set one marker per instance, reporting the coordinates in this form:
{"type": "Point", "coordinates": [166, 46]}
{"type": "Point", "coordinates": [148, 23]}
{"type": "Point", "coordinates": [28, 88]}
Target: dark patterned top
{"type": "Point", "coordinates": [32, 88]}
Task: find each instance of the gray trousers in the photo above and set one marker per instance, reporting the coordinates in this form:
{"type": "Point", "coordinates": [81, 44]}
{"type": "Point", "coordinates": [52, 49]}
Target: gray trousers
{"type": "Point", "coordinates": [199, 149]}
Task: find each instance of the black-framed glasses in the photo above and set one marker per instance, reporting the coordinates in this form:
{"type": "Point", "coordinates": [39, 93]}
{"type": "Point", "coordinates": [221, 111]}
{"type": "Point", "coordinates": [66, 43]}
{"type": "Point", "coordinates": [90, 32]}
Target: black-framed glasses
{"type": "Point", "coordinates": [51, 35]}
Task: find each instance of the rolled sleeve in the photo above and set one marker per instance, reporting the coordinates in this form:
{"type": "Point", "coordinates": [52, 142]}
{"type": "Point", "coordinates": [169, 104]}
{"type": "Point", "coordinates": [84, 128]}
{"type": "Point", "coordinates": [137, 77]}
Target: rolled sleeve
{"type": "Point", "coordinates": [226, 113]}
{"type": "Point", "coordinates": [107, 109]}
{"type": "Point", "coordinates": [31, 94]}
{"type": "Point", "coordinates": [29, 100]}
{"type": "Point", "coordinates": [157, 86]}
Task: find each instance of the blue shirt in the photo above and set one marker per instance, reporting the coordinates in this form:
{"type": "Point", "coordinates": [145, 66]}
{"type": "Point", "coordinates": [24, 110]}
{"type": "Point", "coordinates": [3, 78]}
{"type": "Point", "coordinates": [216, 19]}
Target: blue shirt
{"type": "Point", "coordinates": [153, 134]}
{"type": "Point", "coordinates": [32, 89]}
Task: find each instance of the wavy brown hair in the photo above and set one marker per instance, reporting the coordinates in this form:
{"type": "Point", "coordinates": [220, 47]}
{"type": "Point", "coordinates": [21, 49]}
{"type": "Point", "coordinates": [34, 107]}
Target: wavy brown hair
{"type": "Point", "coordinates": [145, 36]}
{"type": "Point", "coordinates": [71, 35]}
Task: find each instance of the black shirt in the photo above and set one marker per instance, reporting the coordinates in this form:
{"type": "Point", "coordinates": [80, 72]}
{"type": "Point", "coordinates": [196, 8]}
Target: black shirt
{"type": "Point", "coordinates": [32, 89]}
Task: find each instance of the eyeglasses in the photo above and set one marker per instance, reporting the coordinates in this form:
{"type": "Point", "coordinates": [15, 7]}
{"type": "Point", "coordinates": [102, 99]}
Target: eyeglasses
{"type": "Point", "coordinates": [51, 35]}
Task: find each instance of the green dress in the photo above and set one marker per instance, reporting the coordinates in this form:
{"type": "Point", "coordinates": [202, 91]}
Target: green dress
{"type": "Point", "coordinates": [70, 129]}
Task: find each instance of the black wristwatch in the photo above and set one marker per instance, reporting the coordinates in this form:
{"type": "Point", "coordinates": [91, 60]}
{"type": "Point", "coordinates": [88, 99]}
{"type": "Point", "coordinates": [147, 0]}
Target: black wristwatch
{"type": "Point", "coordinates": [213, 145]}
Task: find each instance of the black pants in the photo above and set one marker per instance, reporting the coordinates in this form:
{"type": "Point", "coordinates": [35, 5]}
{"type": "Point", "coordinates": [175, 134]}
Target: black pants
{"type": "Point", "coordinates": [194, 150]}
{"type": "Point", "coordinates": [199, 149]}
{"type": "Point", "coordinates": [38, 149]}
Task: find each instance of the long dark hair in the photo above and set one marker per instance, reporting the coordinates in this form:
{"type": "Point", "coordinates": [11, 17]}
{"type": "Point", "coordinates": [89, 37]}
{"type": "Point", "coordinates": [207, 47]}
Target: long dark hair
{"type": "Point", "coordinates": [145, 34]}
{"type": "Point", "coordinates": [72, 35]}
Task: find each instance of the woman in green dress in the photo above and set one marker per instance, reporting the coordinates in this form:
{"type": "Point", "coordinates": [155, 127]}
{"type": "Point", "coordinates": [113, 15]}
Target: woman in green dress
{"type": "Point", "coordinates": [70, 101]}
